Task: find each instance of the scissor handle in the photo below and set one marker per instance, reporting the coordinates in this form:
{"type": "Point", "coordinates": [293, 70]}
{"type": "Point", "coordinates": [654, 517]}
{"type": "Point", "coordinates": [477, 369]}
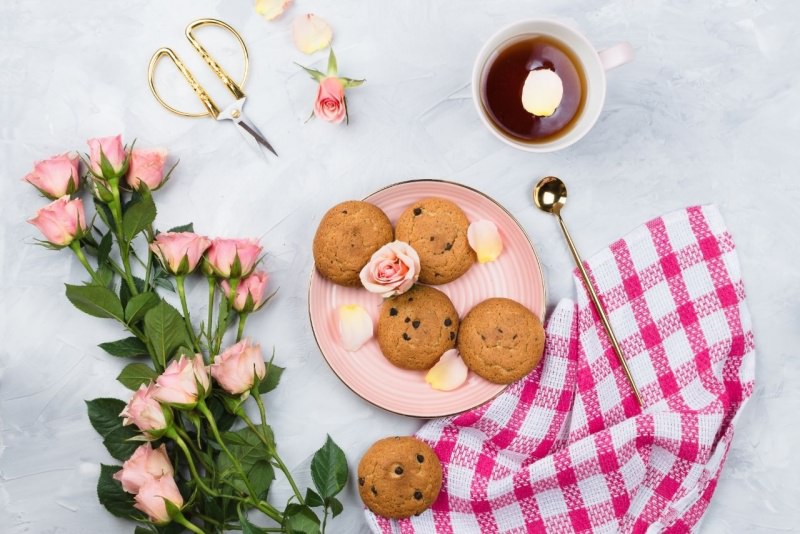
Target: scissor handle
{"type": "Point", "coordinates": [232, 86]}
{"type": "Point", "coordinates": [212, 108]}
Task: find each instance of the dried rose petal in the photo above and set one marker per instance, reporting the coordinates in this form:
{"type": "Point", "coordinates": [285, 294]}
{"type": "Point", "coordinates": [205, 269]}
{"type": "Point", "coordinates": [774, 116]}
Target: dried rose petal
{"type": "Point", "coordinates": [272, 9]}
{"type": "Point", "coordinates": [484, 238]}
{"type": "Point", "coordinates": [311, 33]}
{"type": "Point", "coordinates": [355, 326]}
{"type": "Point", "coordinates": [448, 373]}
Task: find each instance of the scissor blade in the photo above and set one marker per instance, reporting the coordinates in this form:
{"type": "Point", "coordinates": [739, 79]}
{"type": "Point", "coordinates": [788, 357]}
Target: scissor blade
{"type": "Point", "coordinates": [253, 131]}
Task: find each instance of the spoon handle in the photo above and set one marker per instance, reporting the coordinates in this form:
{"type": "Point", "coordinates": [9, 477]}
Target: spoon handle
{"type": "Point", "coordinates": [600, 311]}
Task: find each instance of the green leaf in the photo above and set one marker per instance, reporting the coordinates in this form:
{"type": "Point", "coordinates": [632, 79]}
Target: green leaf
{"type": "Point", "coordinates": [106, 168]}
{"type": "Point", "coordinates": [161, 278]}
{"type": "Point", "coordinates": [112, 496]}
{"type": "Point", "coordinates": [271, 379]}
{"type": "Point", "coordinates": [104, 249]}
{"type": "Point", "coordinates": [130, 347]}
{"type": "Point", "coordinates": [299, 519]}
{"type": "Point", "coordinates": [104, 414]}
{"type": "Point", "coordinates": [261, 475]}
{"type": "Point", "coordinates": [104, 210]}
{"type": "Point", "coordinates": [97, 301]}
{"type": "Point", "coordinates": [183, 228]}
{"type": "Point", "coordinates": [139, 283]}
{"type": "Point", "coordinates": [121, 444]}
{"type": "Point", "coordinates": [336, 506]}
{"type": "Point", "coordinates": [164, 327]}
{"type": "Point", "coordinates": [253, 456]}
{"type": "Point", "coordinates": [333, 69]}
{"type": "Point", "coordinates": [247, 526]}
{"type": "Point", "coordinates": [225, 420]}
{"type": "Point", "coordinates": [350, 83]}
{"type": "Point", "coordinates": [312, 498]}
{"type": "Point", "coordinates": [329, 469]}
{"type": "Point", "coordinates": [172, 510]}
{"type": "Point", "coordinates": [139, 214]}
{"type": "Point", "coordinates": [315, 74]}
{"type": "Point", "coordinates": [105, 419]}
{"type": "Point", "coordinates": [106, 276]}
{"type": "Point", "coordinates": [136, 374]}
{"type": "Point", "coordinates": [139, 305]}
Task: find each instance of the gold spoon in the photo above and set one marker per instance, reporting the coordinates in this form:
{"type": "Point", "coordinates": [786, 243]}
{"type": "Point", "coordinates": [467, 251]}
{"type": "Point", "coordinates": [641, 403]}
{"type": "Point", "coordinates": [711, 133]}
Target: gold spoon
{"type": "Point", "coordinates": [550, 195]}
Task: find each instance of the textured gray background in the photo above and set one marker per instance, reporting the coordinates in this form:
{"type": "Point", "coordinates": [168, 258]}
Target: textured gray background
{"type": "Point", "coordinates": [708, 112]}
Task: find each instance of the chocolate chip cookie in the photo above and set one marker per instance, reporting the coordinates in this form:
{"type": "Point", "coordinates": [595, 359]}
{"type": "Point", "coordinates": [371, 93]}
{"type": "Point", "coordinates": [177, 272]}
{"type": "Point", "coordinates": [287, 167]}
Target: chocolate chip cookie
{"type": "Point", "coordinates": [346, 238]}
{"type": "Point", "coordinates": [399, 477]}
{"type": "Point", "coordinates": [437, 229]}
{"type": "Point", "coordinates": [417, 327]}
{"type": "Point", "coordinates": [501, 340]}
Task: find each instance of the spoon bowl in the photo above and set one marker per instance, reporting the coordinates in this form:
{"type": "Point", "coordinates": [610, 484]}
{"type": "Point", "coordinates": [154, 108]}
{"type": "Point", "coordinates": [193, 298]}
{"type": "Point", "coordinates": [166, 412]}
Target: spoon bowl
{"type": "Point", "coordinates": [550, 194]}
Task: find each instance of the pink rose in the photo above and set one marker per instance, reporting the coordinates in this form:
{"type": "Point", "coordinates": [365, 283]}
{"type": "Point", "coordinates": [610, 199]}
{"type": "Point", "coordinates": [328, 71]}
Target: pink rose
{"type": "Point", "coordinates": [250, 293]}
{"type": "Point", "coordinates": [330, 104]}
{"type": "Point", "coordinates": [112, 148]}
{"type": "Point", "coordinates": [56, 176]}
{"type": "Point", "coordinates": [146, 165]}
{"type": "Point", "coordinates": [236, 368]}
{"type": "Point", "coordinates": [179, 252]}
{"type": "Point", "coordinates": [62, 221]}
{"type": "Point", "coordinates": [144, 411]}
{"type": "Point", "coordinates": [151, 496]}
{"type": "Point", "coordinates": [392, 270]}
{"type": "Point", "coordinates": [144, 464]}
{"type": "Point", "coordinates": [233, 258]}
{"type": "Point", "coordinates": [183, 382]}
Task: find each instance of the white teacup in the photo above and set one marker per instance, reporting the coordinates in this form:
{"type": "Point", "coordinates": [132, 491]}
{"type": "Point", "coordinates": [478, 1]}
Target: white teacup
{"type": "Point", "coordinates": [594, 64]}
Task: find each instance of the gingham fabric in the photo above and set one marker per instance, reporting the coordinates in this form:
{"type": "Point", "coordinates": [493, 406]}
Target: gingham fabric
{"type": "Point", "coordinates": [567, 449]}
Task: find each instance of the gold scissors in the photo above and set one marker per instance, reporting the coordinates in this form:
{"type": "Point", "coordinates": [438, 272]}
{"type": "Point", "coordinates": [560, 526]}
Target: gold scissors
{"type": "Point", "coordinates": [235, 112]}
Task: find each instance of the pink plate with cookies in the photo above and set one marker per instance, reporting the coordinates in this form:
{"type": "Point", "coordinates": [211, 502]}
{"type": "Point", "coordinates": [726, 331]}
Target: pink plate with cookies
{"type": "Point", "coordinates": [516, 274]}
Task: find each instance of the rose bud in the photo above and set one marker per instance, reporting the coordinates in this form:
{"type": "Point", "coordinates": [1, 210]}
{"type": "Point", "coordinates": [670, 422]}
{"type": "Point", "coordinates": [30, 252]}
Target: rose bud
{"type": "Point", "coordinates": [238, 366]}
{"type": "Point", "coordinates": [393, 269]}
{"type": "Point", "coordinates": [151, 496]}
{"type": "Point", "coordinates": [144, 464]}
{"type": "Point", "coordinates": [144, 411]}
{"type": "Point", "coordinates": [56, 176]}
{"type": "Point", "coordinates": [250, 293]}
{"type": "Point", "coordinates": [179, 252]}
{"type": "Point", "coordinates": [112, 149]}
{"type": "Point", "coordinates": [233, 258]}
{"type": "Point", "coordinates": [183, 382]}
{"type": "Point", "coordinates": [146, 165]}
{"type": "Point", "coordinates": [61, 222]}
{"type": "Point", "coordinates": [330, 104]}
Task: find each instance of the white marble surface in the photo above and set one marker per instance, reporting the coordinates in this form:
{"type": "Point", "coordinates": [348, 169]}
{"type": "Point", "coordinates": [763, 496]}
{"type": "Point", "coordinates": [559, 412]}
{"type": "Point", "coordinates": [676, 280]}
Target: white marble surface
{"type": "Point", "coordinates": [708, 112]}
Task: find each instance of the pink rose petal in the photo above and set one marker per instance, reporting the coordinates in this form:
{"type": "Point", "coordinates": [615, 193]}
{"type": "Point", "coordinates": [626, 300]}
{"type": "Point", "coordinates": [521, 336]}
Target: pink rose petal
{"type": "Point", "coordinates": [355, 327]}
{"type": "Point", "coordinates": [484, 238]}
{"type": "Point", "coordinates": [448, 373]}
{"type": "Point", "coordinates": [272, 9]}
{"type": "Point", "coordinates": [311, 33]}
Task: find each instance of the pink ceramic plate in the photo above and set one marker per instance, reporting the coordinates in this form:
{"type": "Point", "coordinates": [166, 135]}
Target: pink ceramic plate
{"type": "Point", "coordinates": [516, 274]}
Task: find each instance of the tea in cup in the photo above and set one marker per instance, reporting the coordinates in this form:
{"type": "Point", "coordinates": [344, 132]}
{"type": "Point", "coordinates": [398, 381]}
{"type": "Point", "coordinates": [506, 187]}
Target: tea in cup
{"type": "Point", "coordinates": [540, 85]}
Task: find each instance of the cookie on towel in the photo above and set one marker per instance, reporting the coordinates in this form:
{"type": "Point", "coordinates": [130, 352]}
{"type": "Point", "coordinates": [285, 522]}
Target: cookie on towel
{"type": "Point", "coordinates": [437, 229]}
{"type": "Point", "coordinates": [417, 327]}
{"type": "Point", "coordinates": [346, 238]}
{"type": "Point", "coordinates": [501, 340]}
{"type": "Point", "coordinates": [399, 477]}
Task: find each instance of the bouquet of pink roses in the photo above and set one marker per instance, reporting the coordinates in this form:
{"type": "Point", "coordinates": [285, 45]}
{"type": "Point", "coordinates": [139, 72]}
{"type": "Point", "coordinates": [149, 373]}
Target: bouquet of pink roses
{"type": "Point", "coordinates": [193, 457]}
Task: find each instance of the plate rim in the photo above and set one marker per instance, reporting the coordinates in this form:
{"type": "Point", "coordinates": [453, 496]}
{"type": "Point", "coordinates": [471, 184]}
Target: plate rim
{"type": "Point", "coordinates": [535, 254]}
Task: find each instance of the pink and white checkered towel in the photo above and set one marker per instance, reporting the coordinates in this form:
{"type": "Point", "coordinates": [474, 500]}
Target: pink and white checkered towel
{"type": "Point", "coordinates": [567, 449]}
